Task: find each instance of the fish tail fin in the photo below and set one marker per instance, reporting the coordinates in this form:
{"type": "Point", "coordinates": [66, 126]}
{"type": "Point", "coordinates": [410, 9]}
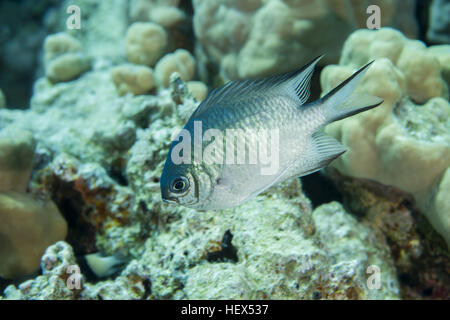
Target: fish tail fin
{"type": "Point", "coordinates": [342, 102]}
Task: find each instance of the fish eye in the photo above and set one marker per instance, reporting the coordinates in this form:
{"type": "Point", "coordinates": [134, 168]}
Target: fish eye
{"type": "Point", "coordinates": [179, 185]}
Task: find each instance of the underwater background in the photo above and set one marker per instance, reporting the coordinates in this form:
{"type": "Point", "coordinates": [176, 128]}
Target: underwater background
{"type": "Point", "coordinates": [91, 92]}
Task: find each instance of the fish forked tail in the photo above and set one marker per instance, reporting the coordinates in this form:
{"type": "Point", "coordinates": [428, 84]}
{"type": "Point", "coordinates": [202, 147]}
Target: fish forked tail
{"type": "Point", "coordinates": [342, 102]}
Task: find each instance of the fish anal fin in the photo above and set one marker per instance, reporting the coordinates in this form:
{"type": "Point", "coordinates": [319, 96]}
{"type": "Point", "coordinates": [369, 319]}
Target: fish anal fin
{"type": "Point", "coordinates": [326, 149]}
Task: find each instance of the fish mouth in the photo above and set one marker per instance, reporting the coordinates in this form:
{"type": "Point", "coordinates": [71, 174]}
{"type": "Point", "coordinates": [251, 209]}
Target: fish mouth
{"type": "Point", "coordinates": [170, 200]}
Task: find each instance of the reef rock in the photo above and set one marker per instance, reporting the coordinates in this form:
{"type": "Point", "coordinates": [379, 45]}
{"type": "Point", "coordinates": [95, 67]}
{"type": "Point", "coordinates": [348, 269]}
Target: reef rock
{"type": "Point", "coordinates": [101, 167]}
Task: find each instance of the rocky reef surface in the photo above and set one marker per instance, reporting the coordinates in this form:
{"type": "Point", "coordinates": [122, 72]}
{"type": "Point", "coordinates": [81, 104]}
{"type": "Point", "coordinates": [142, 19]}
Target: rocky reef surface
{"type": "Point", "coordinates": [99, 126]}
{"type": "Point", "coordinates": [101, 167]}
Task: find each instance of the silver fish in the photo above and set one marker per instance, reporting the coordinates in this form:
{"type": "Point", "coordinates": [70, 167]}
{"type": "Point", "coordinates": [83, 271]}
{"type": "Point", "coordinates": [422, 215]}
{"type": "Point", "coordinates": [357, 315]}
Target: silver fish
{"type": "Point", "coordinates": [255, 108]}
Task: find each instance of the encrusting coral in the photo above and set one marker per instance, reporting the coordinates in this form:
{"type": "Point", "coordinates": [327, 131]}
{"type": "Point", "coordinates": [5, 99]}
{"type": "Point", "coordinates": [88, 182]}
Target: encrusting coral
{"type": "Point", "coordinates": [405, 141]}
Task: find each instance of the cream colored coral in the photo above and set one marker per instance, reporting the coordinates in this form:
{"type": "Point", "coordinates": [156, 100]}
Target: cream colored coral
{"type": "Point", "coordinates": [180, 61]}
{"type": "Point", "coordinates": [63, 57]}
{"type": "Point", "coordinates": [145, 43]}
{"type": "Point", "coordinates": [133, 79]}
{"type": "Point", "coordinates": [16, 159]}
{"type": "Point", "coordinates": [166, 16]}
{"type": "Point", "coordinates": [58, 44]}
{"type": "Point", "coordinates": [395, 143]}
{"type": "Point", "coordinates": [265, 37]}
{"type": "Point", "coordinates": [28, 226]}
{"type": "Point", "coordinates": [198, 89]}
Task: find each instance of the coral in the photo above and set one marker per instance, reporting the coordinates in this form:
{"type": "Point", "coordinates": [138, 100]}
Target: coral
{"type": "Point", "coordinates": [293, 254]}
{"type": "Point", "coordinates": [419, 253]}
{"type": "Point", "coordinates": [275, 245]}
{"type": "Point", "coordinates": [133, 79]}
{"type": "Point", "coordinates": [141, 10]}
{"type": "Point", "coordinates": [258, 38]}
{"type": "Point", "coordinates": [145, 43]}
{"type": "Point", "coordinates": [103, 28]}
{"type": "Point", "coordinates": [63, 57]}
{"type": "Point", "coordinates": [198, 89]}
{"type": "Point", "coordinates": [28, 226]}
{"type": "Point", "coordinates": [180, 61]}
{"type": "Point", "coordinates": [404, 142]}
{"type": "Point", "coordinates": [16, 159]}
{"type": "Point", "coordinates": [96, 124]}
{"type": "Point", "coordinates": [58, 264]}
{"type": "Point", "coordinates": [439, 28]}
{"type": "Point", "coordinates": [166, 16]}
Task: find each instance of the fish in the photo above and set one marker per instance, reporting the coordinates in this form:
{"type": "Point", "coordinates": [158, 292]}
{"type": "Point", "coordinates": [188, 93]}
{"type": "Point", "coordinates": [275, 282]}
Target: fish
{"type": "Point", "coordinates": [249, 135]}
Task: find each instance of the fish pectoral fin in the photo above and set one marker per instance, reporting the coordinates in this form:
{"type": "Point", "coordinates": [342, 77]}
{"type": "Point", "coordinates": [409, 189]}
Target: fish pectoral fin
{"type": "Point", "coordinates": [326, 149]}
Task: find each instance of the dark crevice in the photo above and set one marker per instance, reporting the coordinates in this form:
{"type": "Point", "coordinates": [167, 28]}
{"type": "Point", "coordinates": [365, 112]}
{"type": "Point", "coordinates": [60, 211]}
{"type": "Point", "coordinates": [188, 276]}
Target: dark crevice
{"type": "Point", "coordinates": [422, 13]}
{"type": "Point", "coordinates": [320, 189]}
{"type": "Point", "coordinates": [227, 253]}
{"type": "Point", "coordinates": [119, 177]}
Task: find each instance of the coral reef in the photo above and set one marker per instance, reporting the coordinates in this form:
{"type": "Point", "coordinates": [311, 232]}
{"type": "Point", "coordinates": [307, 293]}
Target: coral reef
{"type": "Point", "coordinates": [405, 141]}
{"type": "Point", "coordinates": [132, 78]}
{"type": "Point", "coordinates": [282, 249]}
{"type": "Point", "coordinates": [28, 223]}
{"type": "Point", "coordinates": [63, 57]}
{"type": "Point", "coordinates": [102, 31]}
{"type": "Point", "coordinates": [198, 89]}
{"type": "Point", "coordinates": [82, 164]}
{"type": "Point", "coordinates": [16, 159]}
{"type": "Point", "coordinates": [180, 61]}
{"type": "Point", "coordinates": [258, 38]}
{"type": "Point", "coordinates": [420, 255]}
{"type": "Point", "coordinates": [28, 226]}
{"type": "Point", "coordinates": [58, 263]}
{"type": "Point", "coordinates": [145, 43]}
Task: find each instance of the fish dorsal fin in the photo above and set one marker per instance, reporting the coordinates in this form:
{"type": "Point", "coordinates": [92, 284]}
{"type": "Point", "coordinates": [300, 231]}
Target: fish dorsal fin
{"type": "Point", "coordinates": [299, 84]}
{"type": "Point", "coordinates": [295, 84]}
